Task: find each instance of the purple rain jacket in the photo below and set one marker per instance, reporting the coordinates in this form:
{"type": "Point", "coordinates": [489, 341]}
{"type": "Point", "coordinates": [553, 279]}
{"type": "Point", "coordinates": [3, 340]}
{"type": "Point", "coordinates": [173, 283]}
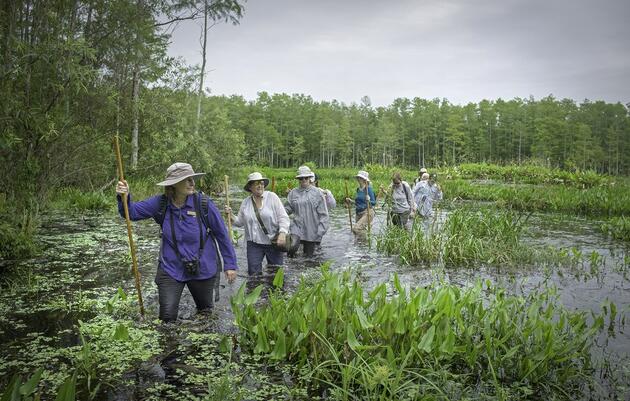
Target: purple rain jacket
{"type": "Point", "coordinates": [187, 235]}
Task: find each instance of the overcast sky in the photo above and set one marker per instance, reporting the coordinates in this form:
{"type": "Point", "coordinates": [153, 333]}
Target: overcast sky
{"type": "Point", "coordinates": [462, 50]}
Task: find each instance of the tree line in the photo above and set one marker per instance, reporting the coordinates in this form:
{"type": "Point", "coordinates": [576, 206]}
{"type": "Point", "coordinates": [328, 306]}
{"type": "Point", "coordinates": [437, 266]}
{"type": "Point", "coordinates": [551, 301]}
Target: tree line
{"type": "Point", "coordinates": [76, 72]}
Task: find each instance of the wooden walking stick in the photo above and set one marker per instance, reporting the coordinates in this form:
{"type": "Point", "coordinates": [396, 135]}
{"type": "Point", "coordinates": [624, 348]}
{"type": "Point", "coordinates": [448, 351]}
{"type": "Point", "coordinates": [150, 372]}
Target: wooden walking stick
{"type": "Point", "coordinates": [132, 247]}
{"type": "Point", "coordinates": [368, 200]}
{"type": "Point", "coordinates": [273, 184]}
{"type": "Point", "coordinates": [227, 202]}
{"type": "Point", "coordinates": [348, 205]}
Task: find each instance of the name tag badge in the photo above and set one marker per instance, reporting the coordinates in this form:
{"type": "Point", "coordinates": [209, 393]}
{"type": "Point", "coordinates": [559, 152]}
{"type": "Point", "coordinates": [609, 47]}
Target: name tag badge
{"type": "Point", "coordinates": [191, 213]}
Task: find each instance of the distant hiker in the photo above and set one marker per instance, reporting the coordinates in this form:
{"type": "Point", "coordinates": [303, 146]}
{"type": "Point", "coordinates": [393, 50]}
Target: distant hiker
{"type": "Point", "coordinates": [360, 202]}
{"type": "Point", "coordinates": [265, 220]}
{"type": "Point", "coordinates": [310, 213]}
{"type": "Point", "coordinates": [425, 194]}
{"type": "Point", "coordinates": [331, 203]}
{"type": "Point", "coordinates": [402, 204]}
{"type": "Point", "coordinates": [189, 238]}
{"type": "Point", "coordinates": [419, 177]}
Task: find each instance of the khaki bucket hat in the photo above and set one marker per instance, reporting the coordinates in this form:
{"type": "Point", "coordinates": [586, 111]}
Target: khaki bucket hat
{"type": "Point", "coordinates": [177, 172]}
{"type": "Point", "coordinates": [255, 176]}
{"type": "Point", "coordinates": [304, 171]}
{"type": "Point", "coordinates": [364, 175]}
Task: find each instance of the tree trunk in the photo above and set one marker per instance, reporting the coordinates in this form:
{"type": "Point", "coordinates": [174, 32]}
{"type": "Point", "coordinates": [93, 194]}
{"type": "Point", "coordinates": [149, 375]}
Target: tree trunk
{"type": "Point", "coordinates": [203, 65]}
{"type": "Point", "coordinates": [135, 96]}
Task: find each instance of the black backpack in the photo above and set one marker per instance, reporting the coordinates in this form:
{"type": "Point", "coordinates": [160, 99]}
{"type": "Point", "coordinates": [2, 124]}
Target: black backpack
{"type": "Point", "coordinates": [201, 202]}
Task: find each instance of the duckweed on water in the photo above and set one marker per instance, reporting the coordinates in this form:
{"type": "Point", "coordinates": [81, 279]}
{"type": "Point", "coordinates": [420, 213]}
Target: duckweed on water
{"type": "Point", "coordinates": [438, 342]}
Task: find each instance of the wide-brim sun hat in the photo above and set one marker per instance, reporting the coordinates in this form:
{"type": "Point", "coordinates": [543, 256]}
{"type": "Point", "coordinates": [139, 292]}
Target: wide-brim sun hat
{"type": "Point", "coordinates": [364, 175]}
{"type": "Point", "coordinates": [177, 172]}
{"type": "Point", "coordinates": [255, 176]}
{"type": "Point", "coordinates": [423, 170]}
{"type": "Point", "coordinates": [304, 171]}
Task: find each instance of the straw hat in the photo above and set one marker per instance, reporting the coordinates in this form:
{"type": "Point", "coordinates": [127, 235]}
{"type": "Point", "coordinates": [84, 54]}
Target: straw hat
{"type": "Point", "coordinates": [423, 170]}
{"type": "Point", "coordinates": [304, 171]}
{"type": "Point", "coordinates": [364, 175]}
{"type": "Point", "coordinates": [177, 172]}
{"type": "Point", "coordinates": [255, 176]}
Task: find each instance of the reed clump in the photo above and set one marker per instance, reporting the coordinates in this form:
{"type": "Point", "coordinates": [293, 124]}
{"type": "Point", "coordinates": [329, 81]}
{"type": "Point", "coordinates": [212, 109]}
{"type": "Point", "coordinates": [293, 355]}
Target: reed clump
{"type": "Point", "coordinates": [468, 237]}
{"type": "Point", "coordinates": [434, 342]}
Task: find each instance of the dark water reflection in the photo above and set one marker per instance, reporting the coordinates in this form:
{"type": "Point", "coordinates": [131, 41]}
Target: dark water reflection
{"type": "Point", "coordinates": [86, 256]}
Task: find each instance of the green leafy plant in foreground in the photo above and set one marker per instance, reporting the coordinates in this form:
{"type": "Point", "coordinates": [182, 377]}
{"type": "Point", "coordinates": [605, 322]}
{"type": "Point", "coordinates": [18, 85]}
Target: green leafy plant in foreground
{"type": "Point", "coordinates": [441, 341]}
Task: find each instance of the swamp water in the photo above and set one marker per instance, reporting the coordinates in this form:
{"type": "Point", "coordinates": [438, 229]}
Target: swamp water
{"type": "Point", "coordinates": [86, 258]}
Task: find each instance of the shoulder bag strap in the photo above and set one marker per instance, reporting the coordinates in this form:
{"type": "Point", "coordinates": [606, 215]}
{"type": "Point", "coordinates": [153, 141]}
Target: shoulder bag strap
{"type": "Point", "coordinates": [262, 225]}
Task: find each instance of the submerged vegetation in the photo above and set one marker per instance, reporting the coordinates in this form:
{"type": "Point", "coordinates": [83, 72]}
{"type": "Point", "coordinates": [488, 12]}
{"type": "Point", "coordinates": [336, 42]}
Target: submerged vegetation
{"type": "Point", "coordinates": [617, 227]}
{"type": "Point", "coordinates": [440, 341]}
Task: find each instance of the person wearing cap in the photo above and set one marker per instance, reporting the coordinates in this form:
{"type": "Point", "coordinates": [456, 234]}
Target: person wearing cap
{"type": "Point", "coordinates": [419, 177]}
{"type": "Point", "coordinates": [264, 218]}
{"type": "Point", "coordinates": [331, 203]}
{"type": "Point", "coordinates": [402, 202]}
{"type": "Point", "coordinates": [360, 202]}
{"type": "Point", "coordinates": [188, 257]}
{"type": "Point", "coordinates": [310, 213]}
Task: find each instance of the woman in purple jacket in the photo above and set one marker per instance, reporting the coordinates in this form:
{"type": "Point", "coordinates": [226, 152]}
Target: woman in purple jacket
{"type": "Point", "coordinates": [188, 250]}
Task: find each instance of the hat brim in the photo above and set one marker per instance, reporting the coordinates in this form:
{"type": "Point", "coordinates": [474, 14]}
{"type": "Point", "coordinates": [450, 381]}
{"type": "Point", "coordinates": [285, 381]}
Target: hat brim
{"type": "Point", "coordinates": [265, 180]}
{"type": "Point", "coordinates": [304, 176]}
{"type": "Point", "coordinates": [360, 176]}
{"type": "Point", "coordinates": [174, 181]}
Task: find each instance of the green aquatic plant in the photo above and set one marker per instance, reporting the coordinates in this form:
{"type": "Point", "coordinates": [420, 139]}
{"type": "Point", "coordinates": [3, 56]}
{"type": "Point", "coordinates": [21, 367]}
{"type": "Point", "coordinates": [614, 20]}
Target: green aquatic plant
{"type": "Point", "coordinates": [439, 340]}
{"type": "Point", "coordinates": [75, 199]}
{"type": "Point", "coordinates": [617, 227]}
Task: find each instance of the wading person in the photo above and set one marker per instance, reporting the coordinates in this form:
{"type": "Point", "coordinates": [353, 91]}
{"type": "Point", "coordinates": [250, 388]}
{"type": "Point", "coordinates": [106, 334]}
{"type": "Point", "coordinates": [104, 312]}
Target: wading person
{"type": "Point", "coordinates": [264, 219]}
{"type": "Point", "coordinates": [425, 194]}
{"type": "Point", "coordinates": [360, 202]}
{"type": "Point", "coordinates": [191, 230]}
{"type": "Point", "coordinates": [402, 202]}
{"type": "Point", "coordinates": [331, 203]}
{"type": "Point", "coordinates": [419, 177]}
{"type": "Point", "coordinates": [310, 213]}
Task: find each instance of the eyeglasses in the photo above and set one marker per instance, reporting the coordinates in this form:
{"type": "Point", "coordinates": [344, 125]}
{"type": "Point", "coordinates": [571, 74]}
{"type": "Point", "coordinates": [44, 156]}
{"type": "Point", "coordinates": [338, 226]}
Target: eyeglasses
{"type": "Point", "coordinates": [190, 180]}
{"type": "Point", "coordinates": [304, 178]}
{"type": "Point", "coordinates": [261, 182]}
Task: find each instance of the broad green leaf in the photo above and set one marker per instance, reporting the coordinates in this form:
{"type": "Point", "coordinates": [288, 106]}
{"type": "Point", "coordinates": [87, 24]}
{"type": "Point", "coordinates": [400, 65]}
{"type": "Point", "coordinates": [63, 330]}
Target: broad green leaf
{"type": "Point", "coordinates": [252, 297]}
{"type": "Point", "coordinates": [67, 390]}
{"type": "Point", "coordinates": [427, 340]}
{"type": "Point", "coordinates": [365, 324]}
{"type": "Point", "coordinates": [278, 280]}
{"type": "Point", "coordinates": [30, 386]}
{"type": "Point", "coordinates": [351, 338]}
{"type": "Point", "coordinates": [280, 348]}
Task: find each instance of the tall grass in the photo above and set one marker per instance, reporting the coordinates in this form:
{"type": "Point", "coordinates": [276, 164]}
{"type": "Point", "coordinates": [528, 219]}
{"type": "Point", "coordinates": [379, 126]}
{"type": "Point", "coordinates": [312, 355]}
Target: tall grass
{"type": "Point", "coordinates": [468, 237]}
{"type": "Point", "coordinates": [596, 201]}
{"type": "Point", "coordinates": [438, 342]}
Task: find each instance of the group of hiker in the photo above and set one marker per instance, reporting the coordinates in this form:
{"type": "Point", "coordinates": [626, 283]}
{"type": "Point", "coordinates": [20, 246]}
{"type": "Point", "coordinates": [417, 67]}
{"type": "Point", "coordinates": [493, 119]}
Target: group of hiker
{"type": "Point", "coordinates": [196, 245]}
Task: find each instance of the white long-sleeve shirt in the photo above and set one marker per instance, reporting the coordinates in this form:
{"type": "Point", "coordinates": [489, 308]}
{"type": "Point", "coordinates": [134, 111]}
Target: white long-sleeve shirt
{"type": "Point", "coordinates": [272, 213]}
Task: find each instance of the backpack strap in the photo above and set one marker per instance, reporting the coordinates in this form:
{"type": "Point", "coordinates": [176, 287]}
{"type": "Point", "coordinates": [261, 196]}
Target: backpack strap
{"type": "Point", "coordinates": [159, 217]}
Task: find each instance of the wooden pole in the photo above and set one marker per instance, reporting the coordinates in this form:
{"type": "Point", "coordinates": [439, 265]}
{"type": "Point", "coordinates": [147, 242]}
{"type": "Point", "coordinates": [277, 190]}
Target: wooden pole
{"type": "Point", "coordinates": [132, 247]}
{"type": "Point", "coordinates": [227, 203]}
{"type": "Point", "coordinates": [348, 205]}
{"type": "Point", "coordinates": [368, 200]}
{"type": "Point", "coordinates": [273, 184]}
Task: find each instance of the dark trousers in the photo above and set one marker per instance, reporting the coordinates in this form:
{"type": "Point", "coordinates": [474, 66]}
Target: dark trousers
{"type": "Point", "coordinates": [399, 219]}
{"type": "Point", "coordinates": [170, 293]}
{"type": "Point", "coordinates": [309, 247]}
{"type": "Point", "coordinates": [256, 253]}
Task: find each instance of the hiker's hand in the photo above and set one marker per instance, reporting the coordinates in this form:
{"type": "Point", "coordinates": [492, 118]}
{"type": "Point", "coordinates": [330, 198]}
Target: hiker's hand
{"type": "Point", "coordinates": [230, 275]}
{"type": "Point", "coordinates": [227, 210]}
{"type": "Point", "coordinates": [412, 213]}
{"type": "Point", "coordinates": [282, 239]}
{"type": "Point", "coordinates": [122, 188]}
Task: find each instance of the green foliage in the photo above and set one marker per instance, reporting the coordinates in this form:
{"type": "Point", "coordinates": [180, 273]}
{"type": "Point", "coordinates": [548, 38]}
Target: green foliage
{"type": "Point", "coordinates": [439, 341]}
{"type": "Point", "coordinates": [617, 227]}
{"type": "Point", "coordinates": [613, 200]}
{"type": "Point", "coordinates": [17, 230]}
{"type": "Point", "coordinates": [75, 199]}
